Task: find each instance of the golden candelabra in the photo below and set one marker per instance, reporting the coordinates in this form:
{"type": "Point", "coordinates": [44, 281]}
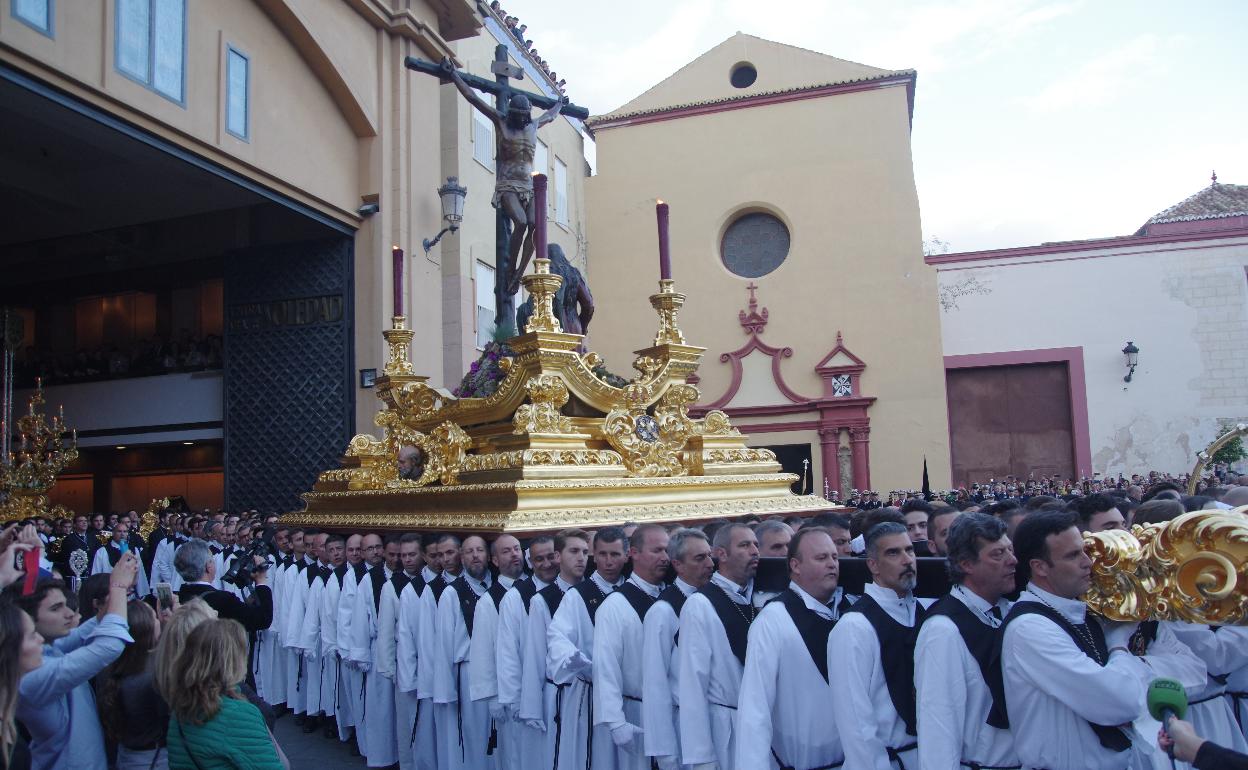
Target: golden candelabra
{"type": "Point", "coordinates": [30, 471]}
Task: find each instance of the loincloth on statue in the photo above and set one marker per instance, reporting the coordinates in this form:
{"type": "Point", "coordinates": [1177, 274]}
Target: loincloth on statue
{"type": "Point", "coordinates": [523, 192]}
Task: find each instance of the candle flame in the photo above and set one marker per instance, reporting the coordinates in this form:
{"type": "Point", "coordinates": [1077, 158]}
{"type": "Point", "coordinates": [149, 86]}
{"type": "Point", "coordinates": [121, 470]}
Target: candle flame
{"type": "Point", "coordinates": [659, 201]}
{"type": "Point", "coordinates": [394, 248]}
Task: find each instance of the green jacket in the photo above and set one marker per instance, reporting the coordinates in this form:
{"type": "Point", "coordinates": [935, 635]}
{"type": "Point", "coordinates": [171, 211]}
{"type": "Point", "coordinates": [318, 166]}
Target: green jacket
{"type": "Point", "coordinates": [235, 738]}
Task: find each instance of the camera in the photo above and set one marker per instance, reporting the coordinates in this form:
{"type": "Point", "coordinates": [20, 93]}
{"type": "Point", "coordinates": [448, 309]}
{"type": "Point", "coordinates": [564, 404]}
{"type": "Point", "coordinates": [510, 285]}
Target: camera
{"type": "Point", "coordinates": [243, 567]}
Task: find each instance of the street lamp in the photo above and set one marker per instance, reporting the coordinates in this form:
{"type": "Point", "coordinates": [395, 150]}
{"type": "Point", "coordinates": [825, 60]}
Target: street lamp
{"type": "Point", "coordinates": [1132, 354]}
{"type": "Point", "coordinates": [452, 195]}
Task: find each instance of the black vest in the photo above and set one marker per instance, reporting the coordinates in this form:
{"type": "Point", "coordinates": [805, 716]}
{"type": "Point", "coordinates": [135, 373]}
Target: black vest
{"type": "Point", "coordinates": [735, 618]}
{"type": "Point", "coordinates": [339, 572]}
{"type": "Point", "coordinates": [114, 553]}
{"type": "Point", "coordinates": [378, 577]}
{"type": "Point", "coordinates": [811, 626]}
{"type": "Point", "coordinates": [312, 573]}
{"type": "Point", "coordinates": [400, 580]}
{"type": "Point", "coordinates": [359, 568]}
{"type": "Point", "coordinates": [497, 592]}
{"type": "Point", "coordinates": [896, 655]}
{"type": "Point", "coordinates": [980, 640]}
{"type": "Point", "coordinates": [592, 595]}
{"type": "Point", "coordinates": [639, 599]}
{"type": "Point", "coordinates": [1109, 736]}
{"type": "Point", "coordinates": [527, 589]}
{"type": "Point", "coordinates": [439, 585]}
{"type": "Point", "coordinates": [300, 564]}
{"type": "Point", "coordinates": [553, 595]}
{"type": "Point", "coordinates": [467, 600]}
{"type": "Point", "coordinates": [675, 597]}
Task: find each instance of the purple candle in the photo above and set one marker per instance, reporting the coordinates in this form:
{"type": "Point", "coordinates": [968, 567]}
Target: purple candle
{"type": "Point", "coordinates": [397, 253]}
{"type": "Point", "coordinates": [665, 252]}
{"type": "Point", "coordinates": [539, 215]}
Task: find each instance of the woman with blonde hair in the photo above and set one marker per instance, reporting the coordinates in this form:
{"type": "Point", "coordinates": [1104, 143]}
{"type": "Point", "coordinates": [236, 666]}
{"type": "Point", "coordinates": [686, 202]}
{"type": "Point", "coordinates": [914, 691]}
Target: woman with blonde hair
{"type": "Point", "coordinates": [173, 639]}
{"type": "Point", "coordinates": [212, 725]}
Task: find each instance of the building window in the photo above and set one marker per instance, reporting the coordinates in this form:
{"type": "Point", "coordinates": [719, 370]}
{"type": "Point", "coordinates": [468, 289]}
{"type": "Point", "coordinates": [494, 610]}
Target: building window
{"type": "Point", "coordinates": [483, 276]}
{"type": "Point", "coordinates": [482, 139]}
{"type": "Point", "coordinates": [754, 245]}
{"type": "Point", "coordinates": [541, 158]}
{"type": "Point", "coordinates": [561, 192]}
{"type": "Point", "coordinates": [151, 44]}
{"type": "Point", "coordinates": [237, 86]}
{"type": "Point", "coordinates": [35, 13]}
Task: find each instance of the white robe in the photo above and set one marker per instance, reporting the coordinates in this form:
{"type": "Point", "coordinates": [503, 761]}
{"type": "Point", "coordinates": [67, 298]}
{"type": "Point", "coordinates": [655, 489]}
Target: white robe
{"type": "Point", "coordinates": [709, 681]}
{"type": "Point", "coordinates": [1222, 651]}
{"type": "Point", "coordinates": [519, 743]}
{"type": "Point", "coordinates": [785, 703]}
{"type": "Point", "coordinates": [617, 656]}
{"type": "Point", "coordinates": [309, 642]}
{"type": "Point", "coordinates": [483, 673]}
{"type": "Point", "coordinates": [350, 678]}
{"type": "Point", "coordinates": [416, 738]}
{"type": "Point", "coordinates": [952, 700]}
{"type": "Point", "coordinates": [539, 693]}
{"type": "Point", "coordinates": [330, 651]}
{"type": "Point", "coordinates": [378, 718]}
{"type": "Point", "coordinates": [660, 680]}
{"type": "Point", "coordinates": [463, 725]}
{"type": "Point", "coordinates": [385, 663]}
{"type": "Point", "coordinates": [1237, 695]}
{"type": "Point", "coordinates": [569, 662]}
{"type": "Point", "coordinates": [859, 681]}
{"type": "Point", "coordinates": [271, 656]}
{"type": "Point", "coordinates": [162, 564]}
{"type": "Point", "coordinates": [101, 564]}
{"type": "Point", "coordinates": [1052, 691]}
{"type": "Point", "coordinates": [294, 593]}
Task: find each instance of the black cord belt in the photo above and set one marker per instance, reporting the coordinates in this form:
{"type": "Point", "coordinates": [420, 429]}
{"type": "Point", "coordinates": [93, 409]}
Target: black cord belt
{"type": "Point", "coordinates": [894, 754]}
{"type": "Point", "coordinates": [979, 766]}
{"type": "Point", "coordinates": [783, 766]}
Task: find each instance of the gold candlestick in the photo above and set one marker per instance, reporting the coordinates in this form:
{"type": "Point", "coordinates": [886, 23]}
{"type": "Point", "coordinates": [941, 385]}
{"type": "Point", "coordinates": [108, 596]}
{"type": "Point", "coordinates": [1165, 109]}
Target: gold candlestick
{"type": "Point", "coordinates": [542, 284]}
{"type": "Point", "coordinates": [667, 303]}
{"type": "Point", "coordinates": [399, 340]}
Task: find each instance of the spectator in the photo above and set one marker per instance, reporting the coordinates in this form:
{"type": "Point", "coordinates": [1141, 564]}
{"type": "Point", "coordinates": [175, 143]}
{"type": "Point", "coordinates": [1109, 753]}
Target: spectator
{"type": "Point", "coordinates": [173, 641]}
{"type": "Point", "coordinates": [55, 701]}
{"type": "Point", "coordinates": [21, 651]}
{"type": "Point", "coordinates": [212, 724]}
{"type": "Point", "coordinates": [133, 714]}
{"type": "Point", "coordinates": [194, 563]}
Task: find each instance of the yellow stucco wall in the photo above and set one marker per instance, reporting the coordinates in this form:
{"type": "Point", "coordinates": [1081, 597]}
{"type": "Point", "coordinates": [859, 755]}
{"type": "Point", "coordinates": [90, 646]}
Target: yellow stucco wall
{"type": "Point", "coordinates": [837, 170]}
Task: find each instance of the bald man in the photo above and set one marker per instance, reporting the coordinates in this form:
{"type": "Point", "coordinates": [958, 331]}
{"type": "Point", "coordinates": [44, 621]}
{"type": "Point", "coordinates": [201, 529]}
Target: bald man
{"type": "Point", "coordinates": [508, 562]}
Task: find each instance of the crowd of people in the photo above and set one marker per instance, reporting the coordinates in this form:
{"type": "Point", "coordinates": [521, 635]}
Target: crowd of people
{"type": "Point", "coordinates": [143, 358]}
{"type": "Point", "coordinates": [731, 644]}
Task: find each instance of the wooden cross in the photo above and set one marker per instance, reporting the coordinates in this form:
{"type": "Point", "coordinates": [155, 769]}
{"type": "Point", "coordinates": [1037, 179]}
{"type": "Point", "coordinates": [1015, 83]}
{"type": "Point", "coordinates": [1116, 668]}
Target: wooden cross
{"type": "Point", "coordinates": [502, 90]}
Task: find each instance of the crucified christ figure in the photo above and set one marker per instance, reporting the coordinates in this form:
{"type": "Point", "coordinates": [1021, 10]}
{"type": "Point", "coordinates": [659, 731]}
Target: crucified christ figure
{"type": "Point", "coordinates": [513, 190]}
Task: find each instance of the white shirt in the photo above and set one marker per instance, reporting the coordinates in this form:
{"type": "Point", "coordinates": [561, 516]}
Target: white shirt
{"type": "Point", "coordinates": [785, 702]}
{"type": "Point", "coordinates": [617, 654]}
{"type": "Point", "coordinates": [660, 677]}
{"type": "Point", "coordinates": [1052, 690]}
{"type": "Point", "coordinates": [952, 699]}
{"type": "Point", "coordinates": [859, 682]}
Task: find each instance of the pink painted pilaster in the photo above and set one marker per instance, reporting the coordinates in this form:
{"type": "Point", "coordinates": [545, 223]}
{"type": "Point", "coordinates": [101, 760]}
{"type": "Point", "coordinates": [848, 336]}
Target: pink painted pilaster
{"type": "Point", "coordinates": [829, 442]}
{"type": "Point", "coordinates": [860, 445]}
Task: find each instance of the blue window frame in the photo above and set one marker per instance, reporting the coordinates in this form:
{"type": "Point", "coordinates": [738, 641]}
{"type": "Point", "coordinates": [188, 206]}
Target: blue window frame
{"type": "Point", "coordinates": [151, 45]}
{"type": "Point", "coordinates": [237, 92]}
{"type": "Point", "coordinates": [36, 14]}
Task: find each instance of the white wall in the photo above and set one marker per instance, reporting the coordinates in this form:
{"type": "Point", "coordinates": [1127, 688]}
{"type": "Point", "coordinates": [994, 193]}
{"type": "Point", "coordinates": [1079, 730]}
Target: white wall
{"type": "Point", "coordinates": [1185, 305]}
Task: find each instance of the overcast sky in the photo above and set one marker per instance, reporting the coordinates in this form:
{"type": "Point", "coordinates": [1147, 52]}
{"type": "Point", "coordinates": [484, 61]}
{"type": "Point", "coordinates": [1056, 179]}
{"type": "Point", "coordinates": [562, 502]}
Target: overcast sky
{"type": "Point", "coordinates": [1034, 121]}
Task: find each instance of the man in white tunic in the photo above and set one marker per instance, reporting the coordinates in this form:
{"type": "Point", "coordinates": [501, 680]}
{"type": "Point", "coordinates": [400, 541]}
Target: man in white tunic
{"type": "Point", "coordinates": [386, 660]}
{"type": "Point", "coordinates": [953, 661]}
{"type": "Point", "coordinates": [519, 744]}
{"type": "Point", "coordinates": [299, 561]}
{"type": "Point", "coordinates": [1071, 688]}
{"type": "Point", "coordinates": [618, 646]}
{"type": "Point", "coordinates": [507, 559]}
{"type": "Point", "coordinates": [541, 700]}
{"type": "Point", "coordinates": [874, 646]}
{"type": "Point", "coordinates": [690, 554]}
{"type": "Point", "coordinates": [107, 556]}
{"type": "Point", "coordinates": [351, 680]}
{"type": "Point", "coordinates": [309, 640]}
{"type": "Point", "coordinates": [714, 635]}
{"type": "Point", "coordinates": [331, 655]}
{"type": "Point", "coordinates": [298, 584]}
{"type": "Point", "coordinates": [417, 738]}
{"type": "Point", "coordinates": [377, 714]}
{"type": "Point", "coordinates": [786, 703]}
{"type": "Point", "coordinates": [569, 650]}
{"type": "Point", "coordinates": [463, 725]}
{"type": "Point", "coordinates": [272, 659]}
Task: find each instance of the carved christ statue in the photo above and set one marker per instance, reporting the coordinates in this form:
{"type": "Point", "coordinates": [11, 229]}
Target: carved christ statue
{"type": "Point", "coordinates": [513, 190]}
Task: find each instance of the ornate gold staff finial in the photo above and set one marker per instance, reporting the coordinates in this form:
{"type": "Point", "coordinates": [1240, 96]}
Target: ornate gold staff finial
{"type": "Point", "coordinates": [399, 340]}
{"type": "Point", "coordinates": [542, 285]}
{"type": "Point", "coordinates": [667, 303]}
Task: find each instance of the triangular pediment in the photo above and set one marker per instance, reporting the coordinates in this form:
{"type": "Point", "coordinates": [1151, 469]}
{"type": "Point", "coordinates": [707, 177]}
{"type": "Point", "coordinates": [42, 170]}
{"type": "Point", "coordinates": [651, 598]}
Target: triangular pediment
{"type": "Point", "coordinates": [839, 358]}
{"type": "Point", "coordinates": [779, 67]}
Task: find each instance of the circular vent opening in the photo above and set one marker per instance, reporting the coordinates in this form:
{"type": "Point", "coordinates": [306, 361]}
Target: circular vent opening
{"type": "Point", "coordinates": [743, 75]}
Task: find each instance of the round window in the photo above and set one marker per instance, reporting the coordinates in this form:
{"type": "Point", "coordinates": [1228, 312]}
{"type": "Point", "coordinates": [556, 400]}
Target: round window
{"type": "Point", "coordinates": [743, 75]}
{"type": "Point", "coordinates": [754, 245]}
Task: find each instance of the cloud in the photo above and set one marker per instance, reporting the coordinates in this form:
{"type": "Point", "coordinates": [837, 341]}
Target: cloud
{"type": "Point", "coordinates": [1099, 79]}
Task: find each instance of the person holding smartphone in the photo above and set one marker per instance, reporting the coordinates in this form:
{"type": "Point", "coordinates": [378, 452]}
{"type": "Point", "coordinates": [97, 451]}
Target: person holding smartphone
{"type": "Point", "coordinates": [106, 558]}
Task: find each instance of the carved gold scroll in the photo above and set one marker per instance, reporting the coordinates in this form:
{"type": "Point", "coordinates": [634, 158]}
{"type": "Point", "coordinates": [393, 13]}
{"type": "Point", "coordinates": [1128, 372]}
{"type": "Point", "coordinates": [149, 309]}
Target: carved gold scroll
{"type": "Point", "coordinates": [1194, 569]}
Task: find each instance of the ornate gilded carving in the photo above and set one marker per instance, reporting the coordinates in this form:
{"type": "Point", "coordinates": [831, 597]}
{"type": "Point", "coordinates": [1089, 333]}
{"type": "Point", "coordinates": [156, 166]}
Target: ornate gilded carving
{"type": "Point", "coordinates": [667, 303]}
{"type": "Point", "coordinates": [399, 340]}
{"type": "Point", "coordinates": [1205, 456]}
{"type": "Point", "coordinates": [651, 444]}
{"type": "Point", "coordinates": [542, 285]}
{"type": "Point", "coordinates": [716, 423]}
{"type": "Point", "coordinates": [547, 395]}
{"type": "Point", "coordinates": [150, 519]}
{"type": "Point", "coordinates": [1194, 569]}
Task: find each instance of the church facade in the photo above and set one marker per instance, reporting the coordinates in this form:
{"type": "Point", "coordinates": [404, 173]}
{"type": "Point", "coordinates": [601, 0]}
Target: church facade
{"type": "Point", "coordinates": [795, 234]}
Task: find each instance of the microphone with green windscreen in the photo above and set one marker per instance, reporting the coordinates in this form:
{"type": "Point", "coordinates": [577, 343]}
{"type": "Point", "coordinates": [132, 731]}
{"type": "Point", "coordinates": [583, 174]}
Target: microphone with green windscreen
{"type": "Point", "coordinates": [1166, 698]}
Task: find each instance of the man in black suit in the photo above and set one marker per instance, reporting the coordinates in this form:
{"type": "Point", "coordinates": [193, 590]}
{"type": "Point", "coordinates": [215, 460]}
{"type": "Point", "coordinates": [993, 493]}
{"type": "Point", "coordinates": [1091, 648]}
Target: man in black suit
{"type": "Point", "coordinates": [194, 563]}
{"type": "Point", "coordinates": [78, 540]}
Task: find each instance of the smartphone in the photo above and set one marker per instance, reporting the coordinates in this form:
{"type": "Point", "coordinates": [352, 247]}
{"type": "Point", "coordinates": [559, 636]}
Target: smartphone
{"type": "Point", "coordinates": [164, 596]}
{"type": "Point", "coordinates": [124, 547]}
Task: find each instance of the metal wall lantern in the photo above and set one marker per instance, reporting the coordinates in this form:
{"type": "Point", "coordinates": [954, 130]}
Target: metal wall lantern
{"type": "Point", "coordinates": [452, 195]}
{"type": "Point", "coordinates": [1132, 354]}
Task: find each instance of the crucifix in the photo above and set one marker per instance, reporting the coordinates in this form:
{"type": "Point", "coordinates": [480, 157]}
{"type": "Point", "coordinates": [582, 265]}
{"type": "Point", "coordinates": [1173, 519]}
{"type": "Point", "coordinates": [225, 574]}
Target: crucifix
{"type": "Point", "coordinates": [516, 142]}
